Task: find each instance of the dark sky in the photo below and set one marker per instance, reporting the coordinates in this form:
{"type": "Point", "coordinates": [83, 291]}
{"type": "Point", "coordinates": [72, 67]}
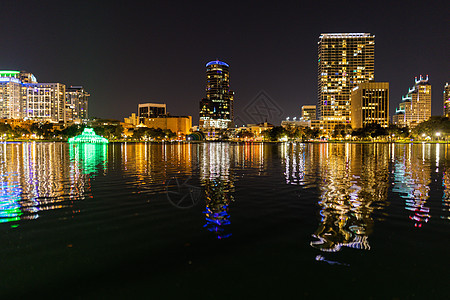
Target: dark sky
{"type": "Point", "coordinates": [125, 53]}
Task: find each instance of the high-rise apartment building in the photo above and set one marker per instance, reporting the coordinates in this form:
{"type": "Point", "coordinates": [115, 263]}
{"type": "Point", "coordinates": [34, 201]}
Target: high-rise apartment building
{"type": "Point", "coordinates": [344, 61]}
{"type": "Point", "coordinates": [416, 105]}
{"type": "Point", "coordinates": [309, 112]}
{"type": "Point", "coordinates": [10, 95]}
{"type": "Point", "coordinates": [44, 101]}
{"type": "Point", "coordinates": [447, 100]}
{"type": "Point", "coordinates": [22, 97]}
{"type": "Point", "coordinates": [216, 110]}
{"type": "Point", "coordinates": [370, 104]}
{"type": "Point", "coordinates": [77, 103]}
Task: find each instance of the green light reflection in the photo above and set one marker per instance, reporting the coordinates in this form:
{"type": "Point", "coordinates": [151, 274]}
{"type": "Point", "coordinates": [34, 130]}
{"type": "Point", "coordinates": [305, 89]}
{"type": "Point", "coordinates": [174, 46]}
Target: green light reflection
{"type": "Point", "coordinates": [89, 158]}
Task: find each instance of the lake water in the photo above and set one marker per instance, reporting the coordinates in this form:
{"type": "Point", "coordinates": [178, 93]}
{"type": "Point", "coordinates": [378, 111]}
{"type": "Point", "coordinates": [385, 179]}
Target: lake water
{"type": "Point", "coordinates": [224, 220]}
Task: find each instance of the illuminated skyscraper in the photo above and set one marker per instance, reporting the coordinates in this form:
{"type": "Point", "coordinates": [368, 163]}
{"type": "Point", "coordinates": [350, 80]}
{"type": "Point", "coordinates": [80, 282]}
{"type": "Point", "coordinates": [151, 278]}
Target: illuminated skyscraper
{"type": "Point", "coordinates": [77, 103]}
{"type": "Point", "coordinates": [447, 100]}
{"type": "Point", "coordinates": [344, 61]}
{"type": "Point", "coordinates": [416, 105]}
{"type": "Point", "coordinates": [370, 104]}
{"type": "Point", "coordinates": [44, 101]}
{"type": "Point", "coordinates": [10, 95]}
{"type": "Point", "coordinates": [216, 110]}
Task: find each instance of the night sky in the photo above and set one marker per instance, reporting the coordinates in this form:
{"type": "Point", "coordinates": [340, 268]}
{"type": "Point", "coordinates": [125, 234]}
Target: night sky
{"type": "Point", "coordinates": [125, 54]}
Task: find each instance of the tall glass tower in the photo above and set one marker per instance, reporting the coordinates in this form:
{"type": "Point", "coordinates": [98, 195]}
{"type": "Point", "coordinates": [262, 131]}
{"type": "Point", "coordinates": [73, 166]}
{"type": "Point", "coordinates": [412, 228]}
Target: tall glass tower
{"type": "Point", "coordinates": [344, 61]}
{"type": "Point", "coordinates": [216, 110]}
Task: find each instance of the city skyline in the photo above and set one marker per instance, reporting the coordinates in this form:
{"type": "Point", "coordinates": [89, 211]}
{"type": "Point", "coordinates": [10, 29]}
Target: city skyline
{"type": "Point", "coordinates": [269, 48]}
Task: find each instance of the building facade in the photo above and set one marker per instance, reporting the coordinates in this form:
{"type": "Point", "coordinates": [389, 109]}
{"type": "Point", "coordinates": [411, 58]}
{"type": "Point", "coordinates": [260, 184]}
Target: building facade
{"type": "Point", "coordinates": [22, 97]}
{"type": "Point", "coordinates": [151, 110]}
{"type": "Point", "coordinates": [309, 112]}
{"type": "Point", "coordinates": [133, 120]}
{"type": "Point", "coordinates": [45, 101]}
{"type": "Point", "coordinates": [415, 107]}
{"type": "Point", "coordinates": [370, 104]}
{"type": "Point", "coordinates": [77, 104]}
{"type": "Point", "coordinates": [216, 110]}
{"type": "Point", "coordinates": [344, 61]}
{"type": "Point", "coordinates": [10, 95]}
{"type": "Point", "coordinates": [181, 125]}
{"type": "Point", "coordinates": [447, 100]}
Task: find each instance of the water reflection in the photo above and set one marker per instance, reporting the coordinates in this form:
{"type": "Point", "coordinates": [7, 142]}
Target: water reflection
{"type": "Point", "coordinates": [218, 181]}
{"type": "Point", "coordinates": [353, 184]}
{"type": "Point", "coordinates": [412, 177]}
{"type": "Point", "coordinates": [88, 158]}
{"type": "Point", "coordinates": [36, 177]}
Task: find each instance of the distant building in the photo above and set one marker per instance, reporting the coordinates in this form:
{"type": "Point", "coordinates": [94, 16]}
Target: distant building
{"type": "Point", "coordinates": [344, 61]}
{"type": "Point", "coordinates": [150, 110]}
{"type": "Point", "coordinates": [370, 104]}
{"type": "Point", "coordinates": [296, 123]}
{"type": "Point", "coordinates": [257, 129]}
{"type": "Point", "coordinates": [77, 102]}
{"type": "Point", "coordinates": [133, 120]}
{"type": "Point", "coordinates": [447, 100]}
{"type": "Point", "coordinates": [416, 105]}
{"type": "Point", "coordinates": [22, 97]}
{"type": "Point", "coordinates": [180, 125]}
{"type": "Point", "coordinates": [309, 112]}
{"type": "Point", "coordinates": [216, 110]}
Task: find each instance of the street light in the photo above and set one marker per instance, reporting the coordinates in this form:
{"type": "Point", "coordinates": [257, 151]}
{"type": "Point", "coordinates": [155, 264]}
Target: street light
{"type": "Point", "coordinates": [438, 134]}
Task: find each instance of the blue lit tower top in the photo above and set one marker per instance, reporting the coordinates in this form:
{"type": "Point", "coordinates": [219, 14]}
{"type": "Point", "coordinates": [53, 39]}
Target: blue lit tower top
{"type": "Point", "coordinates": [217, 62]}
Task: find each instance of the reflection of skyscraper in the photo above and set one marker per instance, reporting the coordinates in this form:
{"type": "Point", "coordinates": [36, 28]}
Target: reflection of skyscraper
{"type": "Point", "coordinates": [446, 195]}
{"type": "Point", "coordinates": [216, 110]}
{"type": "Point", "coordinates": [412, 179]}
{"type": "Point", "coordinates": [215, 174]}
{"type": "Point", "coordinates": [354, 177]}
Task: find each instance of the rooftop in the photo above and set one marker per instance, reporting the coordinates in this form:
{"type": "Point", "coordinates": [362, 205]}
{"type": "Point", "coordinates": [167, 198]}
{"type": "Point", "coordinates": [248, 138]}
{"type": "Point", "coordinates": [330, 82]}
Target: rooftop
{"type": "Point", "coordinates": [345, 35]}
{"type": "Point", "coordinates": [217, 62]}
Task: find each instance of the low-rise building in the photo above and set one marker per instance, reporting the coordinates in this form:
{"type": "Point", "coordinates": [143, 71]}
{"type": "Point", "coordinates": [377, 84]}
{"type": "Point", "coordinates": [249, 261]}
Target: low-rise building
{"type": "Point", "coordinates": [151, 110]}
{"type": "Point", "coordinates": [133, 119]}
{"type": "Point", "coordinates": [181, 125]}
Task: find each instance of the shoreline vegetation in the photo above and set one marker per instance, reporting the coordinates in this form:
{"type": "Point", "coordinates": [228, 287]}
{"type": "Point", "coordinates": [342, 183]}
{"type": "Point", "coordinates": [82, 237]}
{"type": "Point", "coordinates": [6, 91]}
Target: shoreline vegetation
{"type": "Point", "coordinates": [434, 130]}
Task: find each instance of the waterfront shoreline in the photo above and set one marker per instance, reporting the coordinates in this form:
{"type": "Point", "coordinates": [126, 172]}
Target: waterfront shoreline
{"type": "Point", "coordinates": [244, 142]}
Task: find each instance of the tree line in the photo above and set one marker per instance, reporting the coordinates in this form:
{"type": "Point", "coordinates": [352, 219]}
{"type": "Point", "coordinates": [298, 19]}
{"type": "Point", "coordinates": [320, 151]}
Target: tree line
{"type": "Point", "coordinates": [48, 131]}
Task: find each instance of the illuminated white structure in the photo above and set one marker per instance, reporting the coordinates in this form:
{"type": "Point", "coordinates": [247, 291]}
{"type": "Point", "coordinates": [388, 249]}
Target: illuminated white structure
{"type": "Point", "coordinates": [44, 101]}
{"type": "Point", "coordinates": [10, 95]}
{"type": "Point", "coordinates": [22, 97]}
{"type": "Point", "coordinates": [416, 105]}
